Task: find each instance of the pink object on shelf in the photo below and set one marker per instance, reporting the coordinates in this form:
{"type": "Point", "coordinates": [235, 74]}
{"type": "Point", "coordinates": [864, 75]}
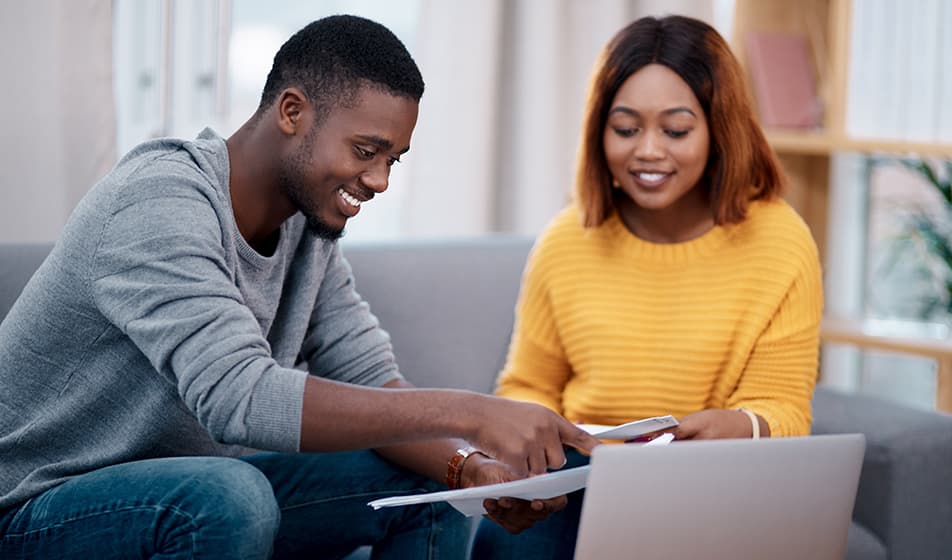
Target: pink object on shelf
{"type": "Point", "coordinates": [783, 80]}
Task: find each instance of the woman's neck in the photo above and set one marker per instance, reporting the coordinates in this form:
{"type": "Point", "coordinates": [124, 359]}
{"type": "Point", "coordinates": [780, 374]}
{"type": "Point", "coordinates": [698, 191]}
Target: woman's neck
{"type": "Point", "coordinates": [688, 218]}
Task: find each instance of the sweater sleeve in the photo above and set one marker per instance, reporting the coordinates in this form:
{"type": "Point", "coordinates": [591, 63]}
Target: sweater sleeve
{"type": "Point", "coordinates": [160, 276]}
{"type": "Point", "coordinates": [781, 372]}
{"type": "Point", "coordinates": [536, 367]}
{"type": "Point", "coordinates": [344, 340]}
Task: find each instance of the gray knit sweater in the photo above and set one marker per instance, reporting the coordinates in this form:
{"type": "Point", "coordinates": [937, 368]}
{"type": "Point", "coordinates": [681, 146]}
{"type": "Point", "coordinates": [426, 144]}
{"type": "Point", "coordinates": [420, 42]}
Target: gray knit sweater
{"type": "Point", "coordinates": [153, 329]}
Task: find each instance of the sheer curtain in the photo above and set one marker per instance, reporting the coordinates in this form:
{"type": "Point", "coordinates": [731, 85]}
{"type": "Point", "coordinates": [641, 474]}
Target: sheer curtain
{"type": "Point", "coordinates": [494, 149]}
{"type": "Point", "coordinates": [495, 145]}
{"type": "Point", "coordinates": [57, 111]}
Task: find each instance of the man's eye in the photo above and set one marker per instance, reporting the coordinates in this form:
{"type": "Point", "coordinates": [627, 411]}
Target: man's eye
{"type": "Point", "coordinates": [392, 161]}
{"type": "Point", "coordinates": [364, 153]}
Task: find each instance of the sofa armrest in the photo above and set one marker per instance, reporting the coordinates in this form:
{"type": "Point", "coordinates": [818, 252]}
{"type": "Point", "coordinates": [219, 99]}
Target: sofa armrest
{"type": "Point", "coordinates": [905, 488]}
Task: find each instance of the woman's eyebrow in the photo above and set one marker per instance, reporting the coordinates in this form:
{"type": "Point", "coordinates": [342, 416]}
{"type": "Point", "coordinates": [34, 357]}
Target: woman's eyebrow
{"type": "Point", "coordinates": [634, 113]}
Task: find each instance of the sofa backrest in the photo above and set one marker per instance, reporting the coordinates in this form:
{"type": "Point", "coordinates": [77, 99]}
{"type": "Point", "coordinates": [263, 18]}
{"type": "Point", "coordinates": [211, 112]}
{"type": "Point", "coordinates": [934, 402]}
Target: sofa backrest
{"type": "Point", "coordinates": [448, 305]}
{"type": "Point", "coordinates": [18, 262]}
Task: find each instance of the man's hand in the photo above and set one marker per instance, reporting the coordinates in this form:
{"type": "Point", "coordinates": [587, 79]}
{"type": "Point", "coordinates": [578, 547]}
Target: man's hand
{"type": "Point", "coordinates": [512, 514]}
{"type": "Point", "coordinates": [527, 437]}
{"type": "Point", "coordinates": [717, 424]}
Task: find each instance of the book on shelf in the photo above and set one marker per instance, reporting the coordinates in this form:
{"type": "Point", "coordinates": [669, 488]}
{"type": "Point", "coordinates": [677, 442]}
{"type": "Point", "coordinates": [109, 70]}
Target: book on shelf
{"type": "Point", "coordinates": [919, 35]}
{"type": "Point", "coordinates": [783, 80]}
{"type": "Point", "coordinates": [862, 71]}
{"type": "Point", "coordinates": [944, 98]}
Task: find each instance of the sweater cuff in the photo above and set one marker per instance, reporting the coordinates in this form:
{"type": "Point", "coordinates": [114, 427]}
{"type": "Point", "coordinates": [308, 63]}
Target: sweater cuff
{"type": "Point", "coordinates": [274, 414]}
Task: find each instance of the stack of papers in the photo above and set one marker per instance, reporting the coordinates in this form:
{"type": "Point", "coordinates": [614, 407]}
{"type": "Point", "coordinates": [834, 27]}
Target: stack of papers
{"type": "Point", "coordinates": [631, 430]}
{"type": "Point", "coordinates": [469, 501]}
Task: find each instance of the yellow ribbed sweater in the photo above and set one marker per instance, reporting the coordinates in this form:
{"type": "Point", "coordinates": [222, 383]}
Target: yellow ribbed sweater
{"type": "Point", "coordinates": [611, 328]}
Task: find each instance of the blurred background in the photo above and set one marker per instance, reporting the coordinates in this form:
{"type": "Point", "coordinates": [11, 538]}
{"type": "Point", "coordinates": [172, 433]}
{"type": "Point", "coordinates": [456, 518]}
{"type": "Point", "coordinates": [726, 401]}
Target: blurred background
{"type": "Point", "coordinates": [494, 149]}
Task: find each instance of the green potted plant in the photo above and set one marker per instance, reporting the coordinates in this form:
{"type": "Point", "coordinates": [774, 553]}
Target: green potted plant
{"type": "Point", "coordinates": [917, 265]}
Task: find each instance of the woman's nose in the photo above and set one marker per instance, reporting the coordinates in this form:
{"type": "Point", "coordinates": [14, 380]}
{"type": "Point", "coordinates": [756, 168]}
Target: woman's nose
{"type": "Point", "coordinates": [649, 146]}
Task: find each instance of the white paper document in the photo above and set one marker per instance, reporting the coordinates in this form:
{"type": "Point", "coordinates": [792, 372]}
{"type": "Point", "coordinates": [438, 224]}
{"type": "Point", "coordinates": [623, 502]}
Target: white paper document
{"type": "Point", "coordinates": [469, 501]}
{"type": "Point", "coordinates": [631, 430]}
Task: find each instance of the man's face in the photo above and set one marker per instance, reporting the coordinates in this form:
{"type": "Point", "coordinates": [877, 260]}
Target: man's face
{"type": "Point", "coordinates": [345, 160]}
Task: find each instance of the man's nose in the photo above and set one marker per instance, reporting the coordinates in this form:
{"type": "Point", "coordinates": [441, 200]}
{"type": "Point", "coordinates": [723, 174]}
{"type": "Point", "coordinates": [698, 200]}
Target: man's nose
{"type": "Point", "coordinates": [377, 178]}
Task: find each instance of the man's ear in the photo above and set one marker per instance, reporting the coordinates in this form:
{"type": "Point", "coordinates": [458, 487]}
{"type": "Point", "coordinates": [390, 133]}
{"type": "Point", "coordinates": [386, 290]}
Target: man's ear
{"type": "Point", "coordinates": [290, 107]}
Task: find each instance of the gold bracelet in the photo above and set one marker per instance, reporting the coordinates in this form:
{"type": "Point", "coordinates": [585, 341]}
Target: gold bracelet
{"type": "Point", "coordinates": [754, 423]}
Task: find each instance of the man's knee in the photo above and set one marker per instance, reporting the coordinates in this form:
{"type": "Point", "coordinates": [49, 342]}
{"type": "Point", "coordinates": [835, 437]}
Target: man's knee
{"type": "Point", "coordinates": [229, 497]}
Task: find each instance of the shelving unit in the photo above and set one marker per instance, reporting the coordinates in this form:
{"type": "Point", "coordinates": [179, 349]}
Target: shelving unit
{"type": "Point", "coordinates": [806, 154]}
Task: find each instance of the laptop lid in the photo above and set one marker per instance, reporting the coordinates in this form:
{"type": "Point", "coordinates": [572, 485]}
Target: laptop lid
{"type": "Point", "coordinates": [782, 498]}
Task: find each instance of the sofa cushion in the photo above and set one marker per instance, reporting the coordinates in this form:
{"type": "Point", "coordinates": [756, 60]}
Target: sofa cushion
{"type": "Point", "coordinates": [863, 545]}
{"type": "Point", "coordinates": [447, 305]}
{"type": "Point", "coordinates": [18, 264]}
{"type": "Point", "coordinates": [906, 479]}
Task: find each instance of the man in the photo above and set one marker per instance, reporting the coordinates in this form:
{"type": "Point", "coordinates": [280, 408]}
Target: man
{"type": "Point", "coordinates": [157, 342]}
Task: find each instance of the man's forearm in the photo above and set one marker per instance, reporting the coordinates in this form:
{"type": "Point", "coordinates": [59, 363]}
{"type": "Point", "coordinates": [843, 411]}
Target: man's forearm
{"type": "Point", "coordinates": [339, 416]}
{"type": "Point", "coordinates": [527, 437]}
{"type": "Point", "coordinates": [429, 458]}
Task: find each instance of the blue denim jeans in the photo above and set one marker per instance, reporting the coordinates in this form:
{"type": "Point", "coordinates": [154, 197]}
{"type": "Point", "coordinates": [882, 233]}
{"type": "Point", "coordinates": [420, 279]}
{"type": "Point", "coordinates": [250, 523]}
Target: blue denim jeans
{"type": "Point", "coordinates": [550, 539]}
{"type": "Point", "coordinates": [288, 505]}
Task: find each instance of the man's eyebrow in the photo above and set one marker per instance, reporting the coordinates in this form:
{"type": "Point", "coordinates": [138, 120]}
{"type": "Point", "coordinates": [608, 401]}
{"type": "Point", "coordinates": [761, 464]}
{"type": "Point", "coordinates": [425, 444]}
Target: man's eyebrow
{"type": "Point", "coordinates": [382, 143]}
{"type": "Point", "coordinates": [634, 113]}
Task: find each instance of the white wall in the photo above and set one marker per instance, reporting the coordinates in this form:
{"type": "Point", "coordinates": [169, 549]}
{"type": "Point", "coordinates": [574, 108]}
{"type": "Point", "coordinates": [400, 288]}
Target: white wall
{"type": "Point", "coordinates": [56, 111]}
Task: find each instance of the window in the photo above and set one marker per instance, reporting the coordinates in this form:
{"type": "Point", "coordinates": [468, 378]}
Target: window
{"type": "Point", "coordinates": [181, 66]}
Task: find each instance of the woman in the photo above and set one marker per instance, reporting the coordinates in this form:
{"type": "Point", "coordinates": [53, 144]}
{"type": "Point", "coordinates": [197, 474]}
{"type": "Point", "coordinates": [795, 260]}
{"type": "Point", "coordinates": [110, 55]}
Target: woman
{"type": "Point", "coordinates": [678, 282]}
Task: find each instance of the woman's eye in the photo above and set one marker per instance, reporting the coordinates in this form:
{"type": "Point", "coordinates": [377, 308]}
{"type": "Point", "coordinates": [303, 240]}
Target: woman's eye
{"type": "Point", "coordinates": [364, 153]}
{"type": "Point", "coordinates": [625, 132]}
{"type": "Point", "coordinates": [676, 133]}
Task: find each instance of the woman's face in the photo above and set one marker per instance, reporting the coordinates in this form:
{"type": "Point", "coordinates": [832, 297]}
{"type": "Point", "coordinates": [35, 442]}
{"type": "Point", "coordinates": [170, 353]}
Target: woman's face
{"type": "Point", "coordinates": [657, 141]}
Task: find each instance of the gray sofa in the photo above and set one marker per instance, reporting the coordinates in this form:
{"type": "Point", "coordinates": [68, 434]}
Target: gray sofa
{"type": "Point", "coordinates": [448, 307]}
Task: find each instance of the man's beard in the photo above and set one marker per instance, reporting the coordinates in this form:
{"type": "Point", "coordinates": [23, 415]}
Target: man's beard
{"type": "Point", "coordinates": [321, 229]}
{"type": "Point", "coordinates": [291, 181]}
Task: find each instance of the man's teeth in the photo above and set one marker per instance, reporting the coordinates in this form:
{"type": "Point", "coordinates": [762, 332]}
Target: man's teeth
{"type": "Point", "coordinates": [348, 198]}
{"type": "Point", "coordinates": [652, 176]}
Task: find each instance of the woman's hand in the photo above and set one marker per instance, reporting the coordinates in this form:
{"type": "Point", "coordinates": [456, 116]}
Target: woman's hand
{"type": "Point", "coordinates": [512, 514]}
{"type": "Point", "coordinates": [717, 424]}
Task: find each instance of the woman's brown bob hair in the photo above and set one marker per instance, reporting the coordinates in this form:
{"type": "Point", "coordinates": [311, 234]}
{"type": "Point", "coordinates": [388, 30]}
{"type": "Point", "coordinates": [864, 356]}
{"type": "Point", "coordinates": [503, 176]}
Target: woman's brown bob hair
{"type": "Point", "coordinates": [741, 166]}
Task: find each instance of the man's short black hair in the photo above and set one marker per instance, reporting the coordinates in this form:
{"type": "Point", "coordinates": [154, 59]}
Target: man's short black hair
{"type": "Point", "coordinates": [332, 57]}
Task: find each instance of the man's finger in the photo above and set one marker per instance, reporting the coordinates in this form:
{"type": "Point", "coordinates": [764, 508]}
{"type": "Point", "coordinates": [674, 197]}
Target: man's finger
{"type": "Point", "coordinates": [537, 460]}
{"type": "Point", "coordinates": [572, 435]}
{"type": "Point", "coordinates": [555, 455]}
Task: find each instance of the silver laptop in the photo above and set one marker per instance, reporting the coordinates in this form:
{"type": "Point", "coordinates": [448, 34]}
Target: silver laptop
{"type": "Point", "coordinates": [777, 499]}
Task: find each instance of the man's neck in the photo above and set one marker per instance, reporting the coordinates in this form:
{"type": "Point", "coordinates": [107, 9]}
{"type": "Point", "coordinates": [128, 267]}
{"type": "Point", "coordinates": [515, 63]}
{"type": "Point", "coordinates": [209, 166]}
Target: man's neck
{"type": "Point", "coordinates": [258, 206]}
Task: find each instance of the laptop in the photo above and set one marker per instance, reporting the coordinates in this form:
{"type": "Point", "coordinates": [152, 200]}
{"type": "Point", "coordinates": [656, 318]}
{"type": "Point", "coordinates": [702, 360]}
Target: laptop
{"type": "Point", "coordinates": [783, 498]}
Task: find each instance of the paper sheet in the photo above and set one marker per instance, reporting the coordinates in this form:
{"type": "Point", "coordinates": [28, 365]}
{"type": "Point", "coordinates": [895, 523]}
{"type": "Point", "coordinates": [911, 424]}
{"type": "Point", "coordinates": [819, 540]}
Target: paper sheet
{"type": "Point", "coordinates": [469, 501]}
{"type": "Point", "coordinates": [631, 430]}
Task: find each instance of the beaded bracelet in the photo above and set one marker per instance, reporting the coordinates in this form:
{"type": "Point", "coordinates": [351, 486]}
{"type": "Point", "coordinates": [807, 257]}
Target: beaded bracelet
{"type": "Point", "coordinates": [454, 468]}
